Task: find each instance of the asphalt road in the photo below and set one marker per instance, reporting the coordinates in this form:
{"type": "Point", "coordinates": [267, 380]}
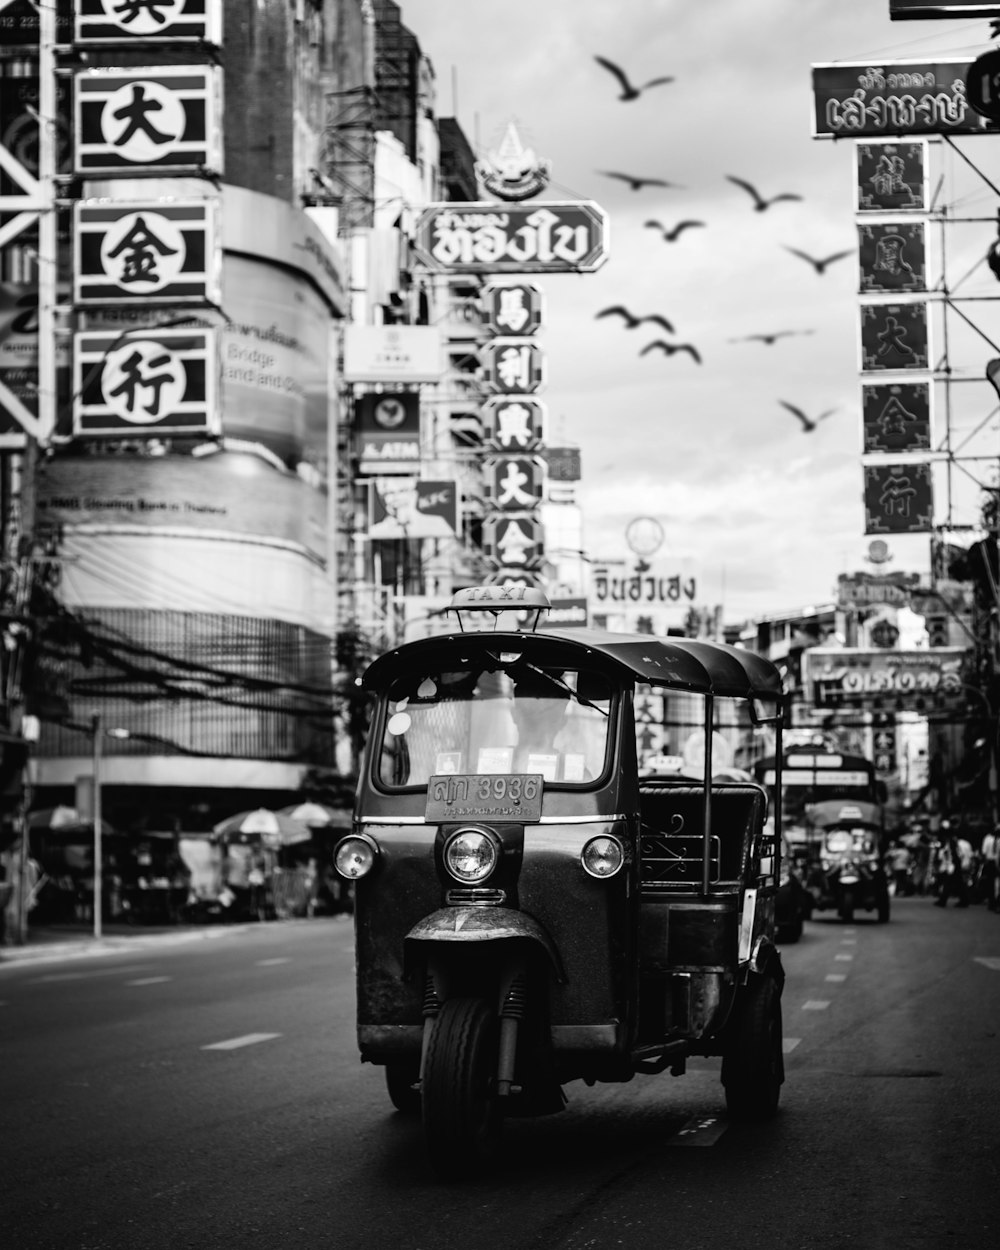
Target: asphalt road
{"type": "Point", "coordinates": [209, 1095]}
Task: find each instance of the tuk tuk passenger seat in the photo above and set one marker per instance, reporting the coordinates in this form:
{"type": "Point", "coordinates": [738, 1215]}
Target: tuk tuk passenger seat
{"type": "Point", "coordinates": [672, 832]}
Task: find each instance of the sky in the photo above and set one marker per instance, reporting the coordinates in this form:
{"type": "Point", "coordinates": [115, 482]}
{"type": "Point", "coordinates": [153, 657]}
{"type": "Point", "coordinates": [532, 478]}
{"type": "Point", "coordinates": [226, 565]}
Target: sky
{"type": "Point", "coordinates": [767, 514]}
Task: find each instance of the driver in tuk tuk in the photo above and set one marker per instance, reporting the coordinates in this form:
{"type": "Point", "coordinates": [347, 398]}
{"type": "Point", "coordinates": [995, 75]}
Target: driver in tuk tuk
{"type": "Point", "coordinates": [550, 740]}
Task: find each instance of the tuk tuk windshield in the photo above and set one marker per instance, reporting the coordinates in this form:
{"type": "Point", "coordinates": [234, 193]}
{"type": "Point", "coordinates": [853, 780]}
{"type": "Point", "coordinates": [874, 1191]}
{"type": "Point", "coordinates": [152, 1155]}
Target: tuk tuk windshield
{"type": "Point", "coordinates": [521, 719]}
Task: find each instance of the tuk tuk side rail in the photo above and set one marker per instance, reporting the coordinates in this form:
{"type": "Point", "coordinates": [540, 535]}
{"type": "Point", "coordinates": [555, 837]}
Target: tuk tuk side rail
{"type": "Point", "coordinates": [672, 841]}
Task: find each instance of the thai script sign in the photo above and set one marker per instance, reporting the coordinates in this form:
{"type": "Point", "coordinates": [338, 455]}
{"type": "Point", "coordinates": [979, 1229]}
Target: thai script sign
{"type": "Point", "coordinates": [148, 21]}
{"type": "Point", "coordinates": [640, 588]}
{"type": "Point", "coordinates": [892, 177]}
{"type": "Point", "coordinates": [898, 98]}
{"type": "Point", "coordinates": [904, 680]}
{"type": "Point", "coordinates": [899, 499]}
{"type": "Point", "coordinates": [515, 238]}
{"type": "Point", "coordinates": [896, 417]}
{"type": "Point", "coordinates": [892, 257]}
{"type": "Point", "coordinates": [153, 118]}
{"type": "Point", "coordinates": [863, 590]}
{"type": "Point", "coordinates": [894, 337]}
{"type": "Point", "coordinates": [155, 382]}
{"type": "Point", "coordinates": [146, 253]}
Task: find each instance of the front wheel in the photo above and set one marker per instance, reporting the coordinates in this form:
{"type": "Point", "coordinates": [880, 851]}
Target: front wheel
{"type": "Point", "coordinates": [461, 1111]}
{"type": "Point", "coordinates": [753, 1068]}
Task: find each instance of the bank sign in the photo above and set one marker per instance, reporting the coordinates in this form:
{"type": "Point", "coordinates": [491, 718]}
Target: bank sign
{"type": "Point", "coordinates": [513, 238]}
{"type": "Point", "coordinates": [920, 681]}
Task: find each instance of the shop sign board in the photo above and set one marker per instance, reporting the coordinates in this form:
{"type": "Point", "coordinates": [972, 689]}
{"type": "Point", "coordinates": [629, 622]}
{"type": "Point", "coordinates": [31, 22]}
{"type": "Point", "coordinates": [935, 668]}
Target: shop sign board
{"type": "Point", "coordinates": [392, 353]}
{"type": "Point", "coordinates": [131, 22]}
{"type": "Point", "coordinates": [914, 10]}
{"type": "Point", "coordinates": [567, 614]}
{"type": "Point", "coordinates": [405, 508]}
{"type": "Point", "coordinates": [894, 337]}
{"type": "Point", "coordinates": [915, 680]}
{"type": "Point", "coordinates": [892, 257]}
{"type": "Point", "coordinates": [150, 252]}
{"type": "Point", "coordinates": [513, 541]}
{"type": "Point", "coordinates": [865, 590]}
{"type": "Point", "coordinates": [514, 422]}
{"type": "Point", "coordinates": [513, 308]}
{"type": "Point", "coordinates": [892, 177]}
{"type": "Point", "coordinates": [148, 119]}
{"type": "Point", "coordinates": [515, 483]}
{"type": "Point", "coordinates": [661, 585]}
{"type": "Point", "coordinates": [896, 417]}
{"type": "Point", "coordinates": [388, 432]}
{"type": "Point", "coordinates": [20, 26]}
{"type": "Point", "coordinates": [480, 237]}
{"type": "Point", "coordinates": [899, 499]}
{"type": "Point", "coordinates": [894, 98]}
{"type": "Point", "coordinates": [513, 366]}
{"type": "Point", "coordinates": [146, 384]}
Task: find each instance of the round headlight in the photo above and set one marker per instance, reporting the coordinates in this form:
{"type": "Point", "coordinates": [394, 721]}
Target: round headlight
{"type": "Point", "coordinates": [602, 856]}
{"type": "Point", "coordinates": [470, 855]}
{"type": "Point", "coordinates": [355, 857]}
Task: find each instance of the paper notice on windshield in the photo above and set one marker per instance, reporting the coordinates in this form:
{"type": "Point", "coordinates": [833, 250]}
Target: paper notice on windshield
{"type": "Point", "coordinates": [495, 759]}
{"type": "Point", "coordinates": [547, 765]}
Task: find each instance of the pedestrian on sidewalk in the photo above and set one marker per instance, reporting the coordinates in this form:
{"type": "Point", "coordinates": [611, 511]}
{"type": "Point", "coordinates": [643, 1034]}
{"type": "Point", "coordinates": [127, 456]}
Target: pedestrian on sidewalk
{"type": "Point", "coordinates": [955, 861]}
{"type": "Point", "coordinates": [989, 878]}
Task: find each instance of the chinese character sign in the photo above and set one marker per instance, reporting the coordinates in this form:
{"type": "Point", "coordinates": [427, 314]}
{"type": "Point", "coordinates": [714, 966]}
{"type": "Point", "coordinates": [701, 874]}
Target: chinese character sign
{"type": "Point", "coordinates": [899, 499]}
{"type": "Point", "coordinates": [894, 336]}
{"type": "Point", "coordinates": [164, 117]}
{"type": "Point", "coordinates": [513, 365]}
{"type": "Point", "coordinates": [145, 384]}
{"type": "Point", "coordinates": [892, 177]}
{"type": "Point", "coordinates": [514, 423]}
{"type": "Point", "coordinates": [149, 253]}
{"type": "Point", "coordinates": [892, 257]}
{"type": "Point", "coordinates": [513, 309]}
{"type": "Point", "coordinates": [148, 21]}
{"type": "Point", "coordinates": [897, 417]}
{"type": "Point", "coordinates": [515, 483]}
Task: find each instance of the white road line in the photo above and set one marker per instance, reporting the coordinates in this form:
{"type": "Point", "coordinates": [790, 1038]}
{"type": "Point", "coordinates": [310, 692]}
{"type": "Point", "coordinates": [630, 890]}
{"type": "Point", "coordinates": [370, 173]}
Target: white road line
{"type": "Point", "coordinates": [835, 976]}
{"type": "Point", "coordinates": [700, 1130]}
{"type": "Point", "coordinates": [848, 941]}
{"type": "Point", "coordinates": [271, 963]}
{"type": "Point", "coordinates": [844, 958]}
{"type": "Point", "coordinates": [815, 1004]}
{"type": "Point", "coordinates": [149, 981]}
{"type": "Point", "coordinates": [788, 1044]}
{"type": "Point", "coordinates": [248, 1039]}
{"type": "Point", "coordinates": [989, 961]}
{"type": "Point", "coordinates": [850, 930]}
{"type": "Point", "coordinates": [86, 976]}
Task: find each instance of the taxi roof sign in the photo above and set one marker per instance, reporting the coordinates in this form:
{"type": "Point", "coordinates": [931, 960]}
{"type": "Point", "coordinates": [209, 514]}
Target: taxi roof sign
{"type": "Point", "coordinates": [499, 600]}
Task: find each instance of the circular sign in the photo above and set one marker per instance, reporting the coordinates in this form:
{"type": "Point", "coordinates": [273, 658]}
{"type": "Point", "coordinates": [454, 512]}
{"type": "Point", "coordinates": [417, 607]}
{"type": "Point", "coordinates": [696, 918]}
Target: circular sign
{"type": "Point", "coordinates": [390, 413]}
{"type": "Point", "coordinates": [143, 120]}
{"type": "Point", "coordinates": [142, 382]}
{"type": "Point", "coordinates": [982, 85]}
{"type": "Point", "coordinates": [878, 551]}
{"type": "Point", "coordinates": [644, 535]}
{"type": "Point", "coordinates": [143, 252]}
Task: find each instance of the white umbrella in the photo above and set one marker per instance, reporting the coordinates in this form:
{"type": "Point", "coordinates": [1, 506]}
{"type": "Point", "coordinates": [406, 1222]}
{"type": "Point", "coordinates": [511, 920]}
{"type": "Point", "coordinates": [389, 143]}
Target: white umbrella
{"type": "Point", "coordinates": [313, 814]}
{"type": "Point", "coordinates": [274, 828]}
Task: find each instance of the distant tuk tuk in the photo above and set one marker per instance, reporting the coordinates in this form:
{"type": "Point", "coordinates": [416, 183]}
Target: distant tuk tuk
{"type": "Point", "coordinates": [848, 871]}
{"type": "Point", "coordinates": [529, 911]}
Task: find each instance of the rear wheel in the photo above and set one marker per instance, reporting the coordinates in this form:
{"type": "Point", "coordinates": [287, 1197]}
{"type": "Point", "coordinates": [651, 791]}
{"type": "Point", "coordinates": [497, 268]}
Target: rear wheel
{"type": "Point", "coordinates": [754, 1066]}
{"type": "Point", "coordinates": [788, 934]}
{"type": "Point", "coordinates": [461, 1111]}
{"type": "Point", "coordinates": [401, 1079]}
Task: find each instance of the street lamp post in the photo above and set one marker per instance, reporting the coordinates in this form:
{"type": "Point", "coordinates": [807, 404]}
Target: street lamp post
{"type": "Point", "coordinates": [96, 730]}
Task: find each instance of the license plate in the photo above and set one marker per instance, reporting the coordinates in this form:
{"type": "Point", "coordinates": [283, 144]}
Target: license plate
{"type": "Point", "coordinates": [484, 796]}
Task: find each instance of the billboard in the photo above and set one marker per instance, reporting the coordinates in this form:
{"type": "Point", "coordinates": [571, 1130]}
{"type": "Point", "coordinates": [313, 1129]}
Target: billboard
{"type": "Point", "coordinates": [894, 98]}
{"type": "Point", "coordinates": [388, 432]}
{"type": "Point", "coordinates": [512, 238]}
{"type": "Point", "coordinates": [405, 508]}
{"type": "Point", "coordinates": [921, 680]}
{"type": "Point", "coordinates": [392, 353]}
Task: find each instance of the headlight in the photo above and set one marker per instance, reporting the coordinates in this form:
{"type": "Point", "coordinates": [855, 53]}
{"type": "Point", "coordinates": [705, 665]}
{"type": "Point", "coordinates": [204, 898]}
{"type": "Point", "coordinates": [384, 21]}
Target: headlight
{"type": "Point", "coordinates": [355, 856]}
{"type": "Point", "coordinates": [470, 855]}
{"type": "Point", "coordinates": [602, 856]}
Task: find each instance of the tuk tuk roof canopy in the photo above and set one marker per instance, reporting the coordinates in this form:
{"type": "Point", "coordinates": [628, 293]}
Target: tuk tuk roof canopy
{"type": "Point", "coordinates": [681, 663]}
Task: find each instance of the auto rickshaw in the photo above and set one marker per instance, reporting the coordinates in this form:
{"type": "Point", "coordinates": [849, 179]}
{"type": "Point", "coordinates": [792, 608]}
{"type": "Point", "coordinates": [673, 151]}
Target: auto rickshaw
{"type": "Point", "coordinates": [528, 910]}
{"type": "Point", "coordinates": [848, 871]}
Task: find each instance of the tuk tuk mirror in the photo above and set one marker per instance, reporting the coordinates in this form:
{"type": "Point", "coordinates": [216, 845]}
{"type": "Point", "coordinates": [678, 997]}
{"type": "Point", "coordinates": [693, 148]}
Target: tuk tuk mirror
{"type": "Point", "coordinates": [765, 711]}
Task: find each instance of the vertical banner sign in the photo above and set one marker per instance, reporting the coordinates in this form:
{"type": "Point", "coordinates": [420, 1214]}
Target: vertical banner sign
{"type": "Point", "coordinates": [515, 308]}
{"type": "Point", "coordinates": [515, 483]}
{"type": "Point", "coordinates": [892, 257]}
{"type": "Point", "coordinates": [899, 499]}
{"type": "Point", "coordinates": [159, 252]}
{"type": "Point", "coordinates": [148, 21]}
{"type": "Point", "coordinates": [892, 177]}
{"type": "Point", "coordinates": [513, 365]}
{"type": "Point", "coordinates": [145, 384]}
{"type": "Point", "coordinates": [513, 541]}
{"type": "Point", "coordinates": [514, 423]}
{"type": "Point", "coordinates": [897, 417]}
{"type": "Point", "coordinates": [884, 741]}
{"type": "Point", "coordinates": [894, 337]}
{"type": "Point", "coordinates": [163, 118]}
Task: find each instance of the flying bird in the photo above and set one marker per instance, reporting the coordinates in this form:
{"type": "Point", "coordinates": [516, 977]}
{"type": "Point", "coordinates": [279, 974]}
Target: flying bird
{"type": "Point", "coordinates": [671, 235]}
{"type": "Point", "coordinates": [759, 203]}
{"type": "Point", "coordinates": [636, 182]}
{"type": "Point", "coordinates": [628, 91]}
{"type": "Point", "coordinates": [631, 320]}
{"type": "Point", "coordinates": [770, 339]}
{"type": "Point", "coordinates": [817, 264]}
{"type": "Point", "coordinates": [670, 349]}
{"type": "Point", "coordinates": [808, 424]}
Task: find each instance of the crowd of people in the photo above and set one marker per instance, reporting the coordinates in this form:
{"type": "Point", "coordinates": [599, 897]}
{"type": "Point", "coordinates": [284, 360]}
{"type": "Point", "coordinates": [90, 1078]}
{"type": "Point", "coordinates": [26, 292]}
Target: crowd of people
{"type": "Point", "coordinates": [947, 865]}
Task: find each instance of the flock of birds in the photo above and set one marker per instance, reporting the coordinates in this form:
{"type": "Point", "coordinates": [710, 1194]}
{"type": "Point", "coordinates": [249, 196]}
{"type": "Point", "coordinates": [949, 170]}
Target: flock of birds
{"type": "Point", "coordinates": [670, 234]}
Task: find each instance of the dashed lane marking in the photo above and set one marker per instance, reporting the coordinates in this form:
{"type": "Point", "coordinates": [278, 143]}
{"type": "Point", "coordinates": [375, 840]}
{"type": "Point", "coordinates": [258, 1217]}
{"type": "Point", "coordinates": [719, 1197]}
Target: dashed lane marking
{"type": "Point", "coordinates": [844, 958]}
{"type": "Point", "coordinates": [149, 981]}
{"type": "Point", "coordinates": [87, 976]}
{"type": "Point", "coordinates": [848, 941]}
{"type": "Point", "coordinates": [248, 1039]}
{"type": "Point", "coordinates": [700, 1130]}
{"type": "Point", "coordinates": [989, 961]}
{"type": "Point", "coordinates": [788, 1044]}
{"type": "Point", "coordinates": [815, 1004]}
{"type": "Point", "coordinates": [835, 976]}
{"type": "Point", "coordinates": [271, 963]}
{"type": "Point", "coordinates": [846, 931]}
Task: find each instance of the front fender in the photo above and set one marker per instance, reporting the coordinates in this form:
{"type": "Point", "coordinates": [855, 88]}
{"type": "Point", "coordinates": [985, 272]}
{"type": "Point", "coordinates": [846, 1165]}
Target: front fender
{"type": "Point", "coordinates": [482, 924]}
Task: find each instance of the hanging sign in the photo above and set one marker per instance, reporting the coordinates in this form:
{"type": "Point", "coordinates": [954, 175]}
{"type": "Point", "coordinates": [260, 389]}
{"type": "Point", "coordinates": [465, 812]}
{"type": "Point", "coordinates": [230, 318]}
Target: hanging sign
{"type": "Point", "coordinates": [513, 365]}
{"type": "Point", "coordinates": [892, 177]}
{"type": "Point", "coordinates": [894, 98]}
{"type": "Point", "coordinates": [894, 337]}
{"type": "Point", "coordinates": [897, 417]}
{"type": "Point", "coordinates": [515, 483]}
{"type": "Point", "coordinates": [513, 238]}
{"type": "Point", "coordinates": [388, 431]}
{"type": "Point", "coordinates": [148, 253]}
{"type": "Point", "coordinates": [892, 257]}
{"type": "Point", "coordinates": [150, 383]}
{"type": "Point", "coordinates": [515, 308]}
{"type": "Point", "coordinates": [513, 541]}
{"type": "Point", "coordinates": [148, 119]}
{"type": "Point", "coordinates": [900, 680]}
{"type": "Point", "coordinates": [514, 422]}
{"type": "Point", "coordinates": [148, 21]}
{"type": "Point", "coordinates": [899, 499]}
